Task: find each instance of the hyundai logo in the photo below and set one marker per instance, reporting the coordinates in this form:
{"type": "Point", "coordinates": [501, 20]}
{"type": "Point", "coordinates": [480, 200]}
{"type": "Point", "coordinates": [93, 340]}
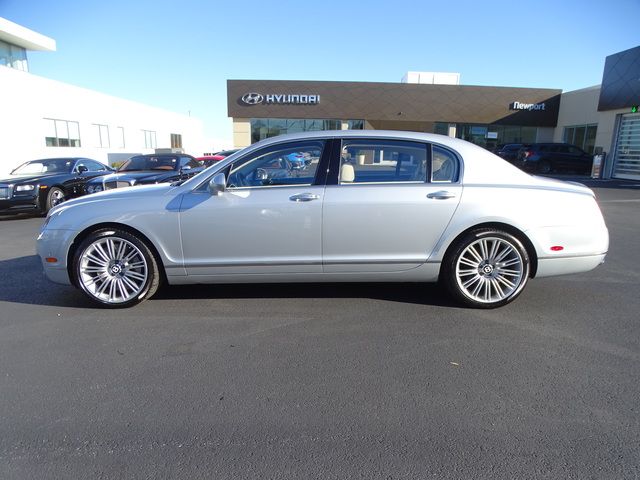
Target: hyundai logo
{"type": "Point", "coordinates": [252, 98]}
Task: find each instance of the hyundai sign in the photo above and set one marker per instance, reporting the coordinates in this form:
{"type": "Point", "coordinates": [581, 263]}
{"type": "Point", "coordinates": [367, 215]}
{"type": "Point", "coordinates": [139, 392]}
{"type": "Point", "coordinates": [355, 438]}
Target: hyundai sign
{"type": "Point", "coordinates": [280, 99]}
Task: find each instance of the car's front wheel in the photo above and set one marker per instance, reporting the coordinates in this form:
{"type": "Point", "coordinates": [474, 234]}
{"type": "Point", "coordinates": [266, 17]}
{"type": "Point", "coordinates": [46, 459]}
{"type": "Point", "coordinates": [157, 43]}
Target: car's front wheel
{"type": "Point", "coordinates": [487, 268]}
{"type": "Point", "coordinates": [115, 269]}
{"type": "Point", "coordinates": [55, 197]}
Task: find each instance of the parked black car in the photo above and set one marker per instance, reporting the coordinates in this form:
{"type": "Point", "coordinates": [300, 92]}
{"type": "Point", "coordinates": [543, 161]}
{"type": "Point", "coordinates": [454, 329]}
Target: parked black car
{"type": "Point", "coordinates": [554, 157]}
{"type": "Point", "coordinates": [146, 169]}
{"type": "Point", "coordinates": [38, 185]}
{"type": "Point", "coordinates": [510, 151]}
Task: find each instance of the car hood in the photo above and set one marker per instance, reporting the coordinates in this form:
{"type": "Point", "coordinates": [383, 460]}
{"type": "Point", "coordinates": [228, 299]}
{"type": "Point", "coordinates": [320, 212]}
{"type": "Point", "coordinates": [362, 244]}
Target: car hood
{"type": "Point", "coordinates": [157, 190]}
{"type": "Point", "coordinates": [136, 177]}
{"type": "Point", "coordinates": [30, 178]}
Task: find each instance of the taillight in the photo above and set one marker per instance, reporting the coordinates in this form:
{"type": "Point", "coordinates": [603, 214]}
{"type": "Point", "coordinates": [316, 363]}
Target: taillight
{"type": "Point", "coordinates": [528, 153]}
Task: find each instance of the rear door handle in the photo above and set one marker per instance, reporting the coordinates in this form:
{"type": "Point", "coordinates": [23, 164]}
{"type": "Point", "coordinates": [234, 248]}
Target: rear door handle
{"type": "Point", "coordinates": [441, 195]}
{"type": "Point", "coordinates": [304, 197]}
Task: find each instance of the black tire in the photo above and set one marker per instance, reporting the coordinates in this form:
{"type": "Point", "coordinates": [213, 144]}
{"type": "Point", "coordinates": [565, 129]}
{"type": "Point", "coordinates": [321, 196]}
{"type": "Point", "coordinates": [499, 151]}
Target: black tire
{"type": "Point", "coordinates": [475, 273]}
{"type": "Point", "coordinates": [544, 167]}
{"type": "Point", "coordinates": [115, 269]}
{"type": "Point", "coordinates": [55, 197]}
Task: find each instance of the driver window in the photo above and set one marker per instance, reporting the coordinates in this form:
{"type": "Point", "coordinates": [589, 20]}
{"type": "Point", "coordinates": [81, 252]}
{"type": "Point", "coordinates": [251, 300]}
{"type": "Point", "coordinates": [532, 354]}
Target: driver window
{"type": "Point", "coordinates": [288, 164]}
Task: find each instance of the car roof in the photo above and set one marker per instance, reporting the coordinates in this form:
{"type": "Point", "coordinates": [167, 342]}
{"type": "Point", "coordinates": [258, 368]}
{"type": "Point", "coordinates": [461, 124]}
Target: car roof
{"type": "Point", "coordinates": [59, 158]}
{"type": "Point", "coordinates": [165, 155]}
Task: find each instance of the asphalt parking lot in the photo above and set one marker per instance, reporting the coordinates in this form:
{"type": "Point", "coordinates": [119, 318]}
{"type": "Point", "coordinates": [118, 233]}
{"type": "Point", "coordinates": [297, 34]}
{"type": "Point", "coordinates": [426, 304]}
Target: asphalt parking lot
{"type": "Point", "coordinates": [384, 381]}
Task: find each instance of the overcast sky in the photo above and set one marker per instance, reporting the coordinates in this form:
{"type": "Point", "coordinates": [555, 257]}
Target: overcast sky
{"type": "Point", "coordinates": [178, 55]}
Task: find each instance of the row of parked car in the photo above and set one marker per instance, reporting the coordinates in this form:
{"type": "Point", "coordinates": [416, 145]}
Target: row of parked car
{"type": "Point", "coordinates": [39, 185]}
{"type": "Point", "coordinates": [547, 157]}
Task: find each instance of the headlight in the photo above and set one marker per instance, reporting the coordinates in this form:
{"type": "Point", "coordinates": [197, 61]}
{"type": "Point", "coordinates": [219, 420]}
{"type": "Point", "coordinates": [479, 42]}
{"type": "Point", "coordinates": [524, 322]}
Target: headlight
{"type": "Point", "coordinates": [25, 188]}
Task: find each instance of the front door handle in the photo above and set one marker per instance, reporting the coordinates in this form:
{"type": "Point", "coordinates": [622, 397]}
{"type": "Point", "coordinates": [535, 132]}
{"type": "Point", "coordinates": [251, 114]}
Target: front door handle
{"type": "Point", "coordinates": [304, 197]}
{"type": "Point", "coordinates": [441, 195]}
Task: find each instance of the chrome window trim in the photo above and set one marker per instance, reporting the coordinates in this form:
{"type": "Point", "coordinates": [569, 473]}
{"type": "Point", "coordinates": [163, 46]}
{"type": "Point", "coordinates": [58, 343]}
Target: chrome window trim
{"type": "Point", "coordinates": [355, 184]}
{"type": "Point", "coordinates": [260, 187]}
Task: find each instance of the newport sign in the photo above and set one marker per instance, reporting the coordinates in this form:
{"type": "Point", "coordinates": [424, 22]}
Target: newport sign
{"type": "Point", "coordinates": [280, 99]}
{"type": "Point", "coordinates": [526, 106]}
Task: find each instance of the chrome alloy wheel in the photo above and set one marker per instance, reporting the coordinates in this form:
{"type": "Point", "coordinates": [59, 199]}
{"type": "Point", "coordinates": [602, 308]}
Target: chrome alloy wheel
{"type": "Point", "coordinates": [490, 270]}
{"type": "Point", "coordinates": [113, 270]}
{"type": "Point", "coordinates": [57, 197]}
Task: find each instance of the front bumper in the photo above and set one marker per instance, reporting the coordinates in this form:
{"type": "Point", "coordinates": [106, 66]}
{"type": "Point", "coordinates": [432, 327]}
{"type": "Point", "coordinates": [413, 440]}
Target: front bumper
{"type": "Point", "coordinates": [20, 204]}
{"type": "Point", "coordinates": [54, 244]}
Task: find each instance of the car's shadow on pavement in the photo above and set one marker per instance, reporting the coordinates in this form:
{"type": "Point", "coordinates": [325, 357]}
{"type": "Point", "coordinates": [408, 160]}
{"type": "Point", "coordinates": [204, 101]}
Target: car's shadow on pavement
{"type": "Point", "coordinates": [416, 293]}
{"type": "Point", "coordinates": [22, 281]}
{"type": "Point", "coordinates": [18, 216]}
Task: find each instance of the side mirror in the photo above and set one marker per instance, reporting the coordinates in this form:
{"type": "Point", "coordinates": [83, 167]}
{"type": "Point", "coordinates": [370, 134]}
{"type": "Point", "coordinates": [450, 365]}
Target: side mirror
{"type": "Point", "coordinates": [82, 169]}
{"type": "Point", "coordinates": [217, 184]}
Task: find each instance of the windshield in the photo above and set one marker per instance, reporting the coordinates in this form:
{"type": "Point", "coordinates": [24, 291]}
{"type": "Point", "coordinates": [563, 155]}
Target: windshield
{"type": "Point", "coordinates": [55, 165]}
{"type": "Point", "coordinates": [142, 162]}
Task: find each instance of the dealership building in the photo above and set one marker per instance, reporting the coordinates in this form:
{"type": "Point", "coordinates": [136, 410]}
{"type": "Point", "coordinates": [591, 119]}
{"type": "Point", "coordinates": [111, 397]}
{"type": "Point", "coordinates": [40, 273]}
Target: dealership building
{"type": "Point", "coordinates": [600, 120]}
{"type": "Point", "coordinates": [45, 118]}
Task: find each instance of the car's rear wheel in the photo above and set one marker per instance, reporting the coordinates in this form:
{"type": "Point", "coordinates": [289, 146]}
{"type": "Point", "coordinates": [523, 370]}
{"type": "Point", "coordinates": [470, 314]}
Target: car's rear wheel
{"type": "Point", "coordinates": [115, 269]}
{"type": "Point", "coordinates": [487, 268]}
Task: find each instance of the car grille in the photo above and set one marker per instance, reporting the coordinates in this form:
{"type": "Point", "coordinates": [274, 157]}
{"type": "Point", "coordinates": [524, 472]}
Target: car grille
{"type": "Point", "coordinates": [5, 193]}
{"type": "Point", "coordinates": [110, 185]}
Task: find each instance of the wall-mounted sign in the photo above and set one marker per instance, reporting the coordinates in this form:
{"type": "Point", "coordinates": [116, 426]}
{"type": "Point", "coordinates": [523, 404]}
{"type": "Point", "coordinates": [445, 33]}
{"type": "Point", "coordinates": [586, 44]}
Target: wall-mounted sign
{"type": "Point", "coordinates": [526, 106]}
{"type": "Point", "coordinates": [280, 99]}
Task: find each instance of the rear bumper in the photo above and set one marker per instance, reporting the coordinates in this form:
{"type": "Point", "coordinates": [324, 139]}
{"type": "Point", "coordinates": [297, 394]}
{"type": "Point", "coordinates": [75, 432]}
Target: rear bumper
{"type": "Point", "coordinates": [548, 267]}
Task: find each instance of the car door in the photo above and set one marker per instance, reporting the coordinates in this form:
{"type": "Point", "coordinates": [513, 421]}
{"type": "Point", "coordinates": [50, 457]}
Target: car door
{"type": "Point", "coordinates": [74, 185]}
{"type": "Point", "coordinates": [389, 206]}
{"type": "Point", "coordinates": [189, 167]}
{"type": "Point", "coordinates": [268, 220]}
{"type": "Point", "coordinates": [579, 160]}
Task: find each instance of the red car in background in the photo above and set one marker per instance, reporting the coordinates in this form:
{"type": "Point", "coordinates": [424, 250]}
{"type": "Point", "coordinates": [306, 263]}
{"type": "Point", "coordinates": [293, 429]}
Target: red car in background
{"type": "Point", "coordinates": [209, 160]}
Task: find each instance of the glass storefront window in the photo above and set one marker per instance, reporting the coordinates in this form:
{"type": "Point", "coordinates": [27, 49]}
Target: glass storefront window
{"type": "Point", "coordinates": [277, 127]}
{"type": "Point", "coordinates": [590, 139]}
{"type": "Point", "coordinates": [583, 136]}
{"type": "Point", "coordinates": [13, 56]}
{"type": "Point", "coordinates": [262, 128]}
{"type": "Point", "coordinates": [579, 136]}
{"type": "Point", "coordinates": [490, 136]}
{"type": "Point", "coordinates": [441, 128]}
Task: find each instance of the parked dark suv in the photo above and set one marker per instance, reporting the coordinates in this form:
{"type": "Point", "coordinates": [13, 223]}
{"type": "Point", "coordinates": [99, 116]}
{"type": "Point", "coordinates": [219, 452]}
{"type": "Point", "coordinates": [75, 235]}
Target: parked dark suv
{"type": "Point", "coordinates": [554, 157]}
{"type": "Point", "coordinates": [510, 151]}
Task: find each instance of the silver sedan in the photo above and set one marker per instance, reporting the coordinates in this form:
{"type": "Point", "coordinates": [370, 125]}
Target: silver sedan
{"type": "Point", "coordinates": [365, 206]}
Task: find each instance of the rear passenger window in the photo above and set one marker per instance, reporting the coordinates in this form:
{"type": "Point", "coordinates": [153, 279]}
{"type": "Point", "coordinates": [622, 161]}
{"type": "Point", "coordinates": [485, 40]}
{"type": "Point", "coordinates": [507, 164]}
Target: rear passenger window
{"type": "Point", "coordinates": [382, 161]}
{"type": "Point", "coordinates": [444, 165]}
